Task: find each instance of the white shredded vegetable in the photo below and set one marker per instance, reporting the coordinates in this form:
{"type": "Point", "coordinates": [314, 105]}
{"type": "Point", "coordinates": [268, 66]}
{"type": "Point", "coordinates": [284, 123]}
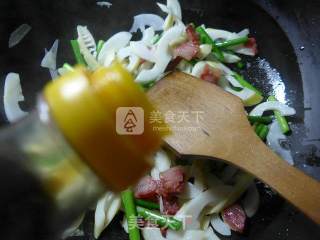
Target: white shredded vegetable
{"type": "Point", "coordinates": [221, 34]}
{"type": "Point", "coordinates": [174, 8]}
{"type": "Point", "coordinates": [141, 21]}
{"type": "Point", "coordinates": [50, 58]}
{"type": "Point", "coordinates": [274, 139]}
{"type": "Point", "coordinates": [108, 52]}
{"type": "Point", "coordinates": [142, 51]}
{"type": "Point", "coordinates": [88, 40]}
{"type": "Point", "coordinates": [104, 4]}
{"type": "Point", "coordinates": [272, 105]}
{"type": "Point", "coordinates": [87, 47]}
{"type": "Point", "coordinates": [161, 163]}
{"type": "Point", "coordinates": [220, 226]}
{"type": "Point", "coordinates": [17, 35]}
{"type": "Point", "coordinates": [162, 55]}
{"type": "Point", "coordinates": [107, 208]}
{"type": "Point", "coordinates": [12, 96]}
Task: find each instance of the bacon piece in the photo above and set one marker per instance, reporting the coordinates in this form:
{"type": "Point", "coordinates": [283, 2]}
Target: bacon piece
{"type": "Point", "coordinates": [210, 74]}
{"type": "Point", "coordinates": [192, 35]}
{"type": "Point", "coordinates": [235, 217]}
{"type": "Point", "coordinates": [146, 188]}
{"type": "Point", "coordinates": [172, 181]}
{"type": "Point", "coordinates": [189, 49]}
{"type": "Point", "coordinates": [252, 44]}
{"type": "Point", "coordinates": [170, 205]}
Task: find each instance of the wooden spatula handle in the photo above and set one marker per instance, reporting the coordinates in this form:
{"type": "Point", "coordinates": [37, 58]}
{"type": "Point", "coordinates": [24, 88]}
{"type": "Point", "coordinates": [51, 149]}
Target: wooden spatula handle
{"type": "Point", "coordinates": [298, 188]}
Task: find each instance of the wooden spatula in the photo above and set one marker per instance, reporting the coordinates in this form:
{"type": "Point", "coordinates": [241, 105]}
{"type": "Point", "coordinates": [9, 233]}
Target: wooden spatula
{"type": "Point", "coordinates": [213, 123]}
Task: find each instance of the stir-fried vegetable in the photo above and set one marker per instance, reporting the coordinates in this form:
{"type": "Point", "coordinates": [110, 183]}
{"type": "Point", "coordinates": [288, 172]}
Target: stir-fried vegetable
{"type": "Point", "coordinates": [206, 39]}
{"type": "Point", "coordinates": [192, 189]}
{"type": "Point", "coordinates": [131, 214]}
{"type": "Point", "coordinates": [232, 42]}
{"type": "Point", "coordinates": [281, 119]}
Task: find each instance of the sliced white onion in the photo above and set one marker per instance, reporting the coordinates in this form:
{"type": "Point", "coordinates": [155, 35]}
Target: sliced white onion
{"type": "Point", "coordinates": [50, 58]}
{"type": "Point", "coordinates": [219, 225]}
{"type": "Point", "coordinates": [195, 206]}
{"type": "Point", "coordinates": [107, 208]}
{"type": "Point", "coordinates": [190, 191]}
{"type": "Point", "coordinates": [163, 7]}
{"type": "Point", "coordinates": [123, 53]}
{"type": "Point", "coordinates": [205, 50]}
{"type": "Point", "coordinates": [104, 4]}
{"type": "Point", "coordinates": [251, 201]}
{"type": "Point", "coordinates": [88, 40]}
{"type": "Point", "coordinates": [230, 58]}
{"type": "Point", "coordinates": [111, 46]}
{"type": "Point", "coordinates": [142, 20]}
{"type": "Point", "coordinates": [221, 34]}
{"type": "Point", "coordinates": [162, 55]}
{"type": "Point", "coordinates": [12, 96]}
{"type": "Point", "coordinates": [147, 36]}
{"type": "Point", "coordinates": [244, 50]}
{"type": "Point", "coordinates": [272, 105]}
{"type": "Point", "coordinates": [174, 8]}
{"type": "Point", "coordinates": [17, 35]}
{"type": "Point", "coordinates": [71, 230]}
{"type": "Point", "coordinates": [244, 33]}
{"type": "Point", "coordinates": [274, 137]}
{"type": "Point", "coordinates": [142, 51]}
{"type": "Point", "coordinates": [198, 68]}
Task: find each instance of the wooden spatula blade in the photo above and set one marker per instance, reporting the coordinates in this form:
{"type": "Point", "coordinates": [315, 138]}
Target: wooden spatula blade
{"type": "Point", "coordinates": [224, 132]}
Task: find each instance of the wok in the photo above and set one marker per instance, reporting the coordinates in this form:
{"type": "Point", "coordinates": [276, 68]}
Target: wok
{"type": "Point", "coordinates": [288, 36]}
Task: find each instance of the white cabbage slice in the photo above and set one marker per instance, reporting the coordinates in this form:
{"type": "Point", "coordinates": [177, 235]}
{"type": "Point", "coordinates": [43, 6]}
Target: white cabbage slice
{"type": "Point", "coordinates": [12, 96]}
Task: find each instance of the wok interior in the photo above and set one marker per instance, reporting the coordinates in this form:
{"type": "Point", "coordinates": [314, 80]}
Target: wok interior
{"type": "Point", "coordinates": [52, 20]}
